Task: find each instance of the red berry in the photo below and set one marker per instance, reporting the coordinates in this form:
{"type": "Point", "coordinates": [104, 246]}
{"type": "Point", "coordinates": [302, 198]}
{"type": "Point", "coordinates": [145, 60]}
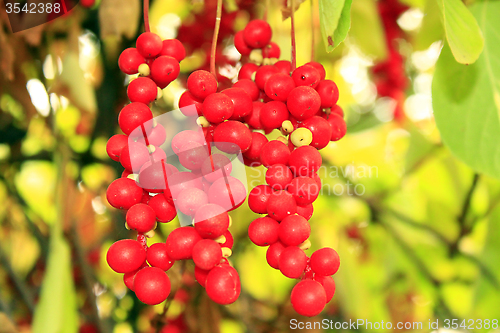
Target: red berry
{"type": "Point", "coordinates": [180, 181]}
{"type": "Point", "coordinates": [274, 152]}
{"type": "Point", "coordinates": [253, 119]}
{"type": "Point", "coordinates": [180, 243]}
{"type": "Point", "coordinates": [125, 256]}
{"type": "Point", "coordinates": [304, 190]}
{"type": "Point", "coordinates": [214, 165]}
{"type": "Point", "coordinates": [320, 129]}
{"type": "Point", "coordinates": [217, 108]}
{"type": "Point", "coordinates": [192, 155]}
{"type": "Point", "coordinates": [242, 102]}
{"type": "Point", "coordinates": [257, 34]}
{"type": "Point", "coordinates": [336, 109]}
{"type": "Point", "coordinates": [292, 262]}
{"type": "Point", "coordinates": [173, 48]}
{"type": "Point", "coordinates": [142, 90]}
{"type": "Point", "coordinates": [190, 106]}
{"type": "Point", "coordinates": [263, 231]}
{"type": "Point", "coordinates": [229, 240]}
{"type": "Point", "coordinates": [273, 254]}
{"type": "Point", "coordinates": [123, 193]}
{"type": "Point", "coordinates": [157, 256]}
{"type": "Point", "coordinates": [249, 86]}
{"type": "Point", "coordinates": [263, 74]}
{"type": "Point", "coordinates": [201, 84]}
{"type": "Point", "coordinates": [206, 254]}
{"type": "Point", "coordinates": [325, 261]}
{"type": "Point", "coordinates": [258, 141]}
{"type": "Point", "coordinates": [228, 192]}
{"type": "Point", "coordinates": [152, 285]}
{"type": "Point", "coordinates": [189, 200]}
{"type": "Point", "coordinates": [164, 210]}
{"type": "Point", "coordinates": [258, 197]}
{"type": "Point", "coordinates": [133, 156]}
{"type": "Point", "coordinates": [304, 161]}
{"type": "Point", "coordinates": [308, 298]}
{"type": "Point", "coordinates": [240, 44]}
{"type": "Point", "coordinates": [272, 50]}
{"type": "Point", "coordinates": [134, 115]}
{"type": "Point", "coordinates": [284, 66]}
{"type": "Point", "coordinates": [115, 145]}
{"type": "Point", "coordinates": [278, 176]}
{"type": "Point", "coordinates": [273, 114]}
{"type": "Point", "coordinates": [319, 67]}
{"type": "Point", "coordinates": [294, 230]}
{"type": "Point", "coordinates": [328, 92]}
{"type": "Point", "coordinates": [87, 4]}
{"type": "Point", "coordinates": [149, 44]}
{"type": "Point", "coordinates": [338, 126]}
{"type": "Point", "coordinates": [223, 285]}
{"type": "Point", "coordinates": [232, 136]}
{"type": "Point", "coordinates": [128, 278]}
{"type": "Point", "coordinates": [164, 70]}
{"type": "Point", "coordinates": [303, 102]}
{"type": "Point", "coordinates": [181, 138]}
{"type": "Point", "coordinates": [278, 86]}
{"type": "Point", "coordinates": [328, 284]}
{"type": "Point", "coordinates": [306, 75]}
{"type": "Point", "coordinates": [305, 211]}
{"type": "Point", "coordinates": [200, 275]}
{"type": "Point", "coordinates": [141, 217]}
{"type": "Point", "coordinates": [129, 61]}
{"type": "Point", "coordinates": [247, 70]}
{"type": "Point", "coordinates": [211, 221]}
{"type": "Point", "coordinates": [280, 205]}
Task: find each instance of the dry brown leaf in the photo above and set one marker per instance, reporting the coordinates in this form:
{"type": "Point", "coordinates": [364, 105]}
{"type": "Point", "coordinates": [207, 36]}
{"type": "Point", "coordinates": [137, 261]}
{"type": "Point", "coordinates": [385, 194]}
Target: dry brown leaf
{"type": "Point", "coordinates": [6, 325]}
{"type": "Point", "coordinates": [286, 11]}
{"type": "Point", "coordinates": [119, 18]}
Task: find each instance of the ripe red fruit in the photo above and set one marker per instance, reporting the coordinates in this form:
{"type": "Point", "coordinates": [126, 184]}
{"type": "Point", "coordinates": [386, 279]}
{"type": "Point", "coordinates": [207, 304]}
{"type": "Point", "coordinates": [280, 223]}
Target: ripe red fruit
{"type": "Point", "coordinates": [273, 114]}
{"type": "Point", "coordinates": [152, 285]}
{"type": "Point", "coordinates": [292, 262]}
{"type": "Point", "coordinates": [149, 44]}
{"type": "Point", "coordinates": [319, 67]}
{"type": "Point", "coordinates": [133, 156]}
{"type": "Point", "coordinates": [206, 254]}
{"type": "Point", "coordinates": [229, 240]}
{"type": "Point", "coordinates": [308, 298]}
{"type": "Point", "coordinates": [305, 211]}
{"type": "Point", "coordinates": [217, 107]}
{"type": "Point", "coordinates": [304, 190]}
{"type": "Point", "coordinates": [328, 284]}
{"type": "Point", "coordinates": [123, 193]}
{"type": "Point", "coordinates": [281, 204]}
{"type": "Point", "coordinates": [258, 141]}
{"type": "Point", "coordinates": [129, 61]}
{"type": "Point", "coordinates": [249, 87]}
{"type": "Point", "coordinates": [272, 50]}
{"type": "Point", "coordinates": [155, 136]}
{"type": "Point", "coordinates": [228, 192]}
{"type": "Point", "coordinates": [284, 66]}
{"type": "Point", "coordinates": [189, 200]}
{"type": "Point", "coordinates": [134, 115]}
{"type": "Point", "coordinates": [263, 231]}
{"type": "Point", "coordinates": [242, 102]}
{"type": "Point", "coordinates": [211, 221]}
{"type": "Point", "coordinates": [142, 90]}
{"type": "Point", "coordinates": [201, 84]}
{"type": "Point", "coordinates": [215, 166]}
{"type": "Point", "coordinates": [304, 161]}
{"type": "Point", "coordinates": [247, 70]}
{"type": "Point", "coordinates": [181, 138]}
{"type": "Point", "coordinates": [182, 180]}
{"type": "Point", "coordinates": [325, 261]}
{"type": "Point", "coordinates": [258, 197]}
{"type": "Point", "coordinates": [328, 92]}
{"type": "Point", "coordinates": [223, 285]}
{"type": "Point", "coordinates": [128, 278]}
{"type": "Point", "coordinates": [115, 145]}
{"type": "Point", "coordinates": [338, 126]}
{"type": "Point", "coordinates": [164, 210]}
{"type": "Point", "coordinates": [141, 217]}
{"type": "Point", "coordinates": [274, 152]}
{"type": "Point", "coordinates": [125, 255]}
{"type": "Point", "coordinates": [185, 104]}
{"type": "Point", "coordinates": [306, 75]}
{"type": "Point", "coordinates": [257, 34]}
{"type": "Point", "coordinates": [173, 48]}
{"type": "Point", "coordinates": [278, 86]}
{"type": "Point", "coordinates": [278, 176]}
{"type": "Point", "coordinates": [192, 154]}
{"type": "Point", "coordinates": [294, 230]}
{"type": "Point", "coordinates": [320, 129]}
{"type": "Point", "coordinates": [240, 44]}
{"type": "Point", "coordinates": [164, 70]}
{"type": "Point", "coordinates": [200, 275]}
{"type": "Point", "coordinates": [253, 119]}
{"type": "Point", "coordinates": [180, 243]}
{"type": "Point", "coordinates": [303, 102]}
{"type": "Point", "coordinates": [337, 110]}
{"type": "Point", "coordinates": [273, 254]}
{"type": "Point", "coordinates": [263, 74]}
{"type": "Point", "coordinates": [157, 256]}
{"type": "Point", "coordinates": [232, 136]}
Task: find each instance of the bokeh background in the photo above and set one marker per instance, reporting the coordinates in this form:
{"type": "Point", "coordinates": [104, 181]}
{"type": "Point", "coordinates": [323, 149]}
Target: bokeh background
{"type": "Point", "coordinates": [416, 229]}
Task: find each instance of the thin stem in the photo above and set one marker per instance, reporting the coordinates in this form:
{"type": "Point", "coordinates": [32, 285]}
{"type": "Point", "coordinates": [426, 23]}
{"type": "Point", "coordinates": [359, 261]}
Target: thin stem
{"type": "Point", "coordinates": [294, 49]}
{"type": "Point", "coordinates": [313, 37]}
{"type": "Point", "coordinates": [266, 9]}
{"type": "Point", "coordinates": [214, 40]}
{"type": "Point", "coordinates": [146, 16]}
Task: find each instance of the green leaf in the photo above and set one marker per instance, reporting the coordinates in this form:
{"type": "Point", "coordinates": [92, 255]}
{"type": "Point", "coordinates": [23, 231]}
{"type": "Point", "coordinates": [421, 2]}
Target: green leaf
{"type": "Point", "coordinates": [466, 99]}
{"type": "Point", "coordinates": [462, 31]}
{"type": "Point", "coordinates": [365, 17]}
{"type": "Point", "coordinates": [335, 21]}
{"type": "Point", "coordinates": [431, 29]}
{"type": "Point", "coordinates": [56, 311]}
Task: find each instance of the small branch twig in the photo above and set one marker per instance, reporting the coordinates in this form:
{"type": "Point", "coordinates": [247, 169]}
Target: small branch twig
{"type": "Point", "coordinates": [214, 39]}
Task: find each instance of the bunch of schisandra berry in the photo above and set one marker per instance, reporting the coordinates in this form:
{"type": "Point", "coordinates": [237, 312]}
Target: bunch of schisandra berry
{"type": "Point", "coordinates": [146, 196]}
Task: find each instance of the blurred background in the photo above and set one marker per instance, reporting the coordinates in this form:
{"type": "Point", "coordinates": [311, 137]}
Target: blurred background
{"type": "Point", "coordinates": [416, 229]}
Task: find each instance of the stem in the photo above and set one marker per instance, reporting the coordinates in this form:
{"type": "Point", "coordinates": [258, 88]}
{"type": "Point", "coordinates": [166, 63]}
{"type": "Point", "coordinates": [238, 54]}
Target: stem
{"type": "Point", "coordinates": [294, 49]}
{"type": "Point", "coordinates": [214, 40]}
{"type": "Point", "coordinates": [266, 9]}
{"type": "Point", "coordinates": [146, 16]}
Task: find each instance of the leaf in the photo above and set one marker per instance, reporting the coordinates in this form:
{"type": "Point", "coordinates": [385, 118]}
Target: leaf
{"type": "Point", "coordinates": [462, 31]}
{"type": "Point", "coordinates": [335, 21]}
{"type": "Point", "coordinates": [365, 17]}
{"type": "Point", "coordinates": [466, 98]}
{"type": "Point", "coordinates": [82, 92]}
{"type": "Point", "coordinates": [56, 311]}
{"type": "Point", "coordinates": [119, 18]}
{"type": "Point", "coordinates": [431, 29]}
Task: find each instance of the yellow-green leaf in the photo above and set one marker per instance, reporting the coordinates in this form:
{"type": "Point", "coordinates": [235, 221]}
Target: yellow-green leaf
{"type": "Point", "coordinates": [335, 21]}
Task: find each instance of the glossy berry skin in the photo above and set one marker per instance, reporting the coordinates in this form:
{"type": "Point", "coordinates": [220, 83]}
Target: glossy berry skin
{"type": "Point", "coordinates": [188, 99]}
{"type": "Point", "coordinates": [284, 66]}
{"type": "Point", "coordinates": [308, 298]}
{"type": "Point", "coordinates": [211, 221]}
{"type": "Point", "coordinates": [200, 275]}
{"type": "Point", "coordinates": [263, 74]}
{"type": "Point", "coordinates": [149, 44]}
{"type": "Point", "coordinates": [336, 109]}
{"type": "Point", "coordinates": [192, 154]}
{"type": "Point", "coordinates": [328, 284]}
{"type": "Point", "coordinates": [263, 231]}
{"type": "Point", "coordinates": [223, 285]}
{"type": "Point", "coordinates": [128, 278]}
{"type": "Point", "coordinates": [142, 90]}
{"type": "Point", "coordinates": [278, 176]}
{"type": "Point", "coordinates": [273, 114]}
{"type": "Point", "coordinates": [306, 76]}
{"type": "Point", "coordinates": [240, 44]}
{"type": "Point", "coordinates": [338, 125]}
{"type": "Point", "coordinates": [164, 210]}
{"type": "Point", "coordinates": [157, 256]}
{"type": "Point", "coordinates": [180, 181]}
{"type": "Point", "coordinates": [305, 211]}
{"type": "Point", "coordinates": [258, 141]}
{"type": "Point", "coordinates": [325, 261]}
{"type": "Point", "coordinates": [156, 136]}
{"type": "Point", "coordinates": [278, 86]}
{"type": "Point", "coordinates": [292, 262]}
{"type": "Point", "coordinates": [125, 256]}
{"type": "Point", "coordinates": [272, 50]}
{"type": "Point", "coordinates": [319, 67]}
{"type": "Point", "coordinates": [229, 193]}
{"type": "Point", "coordinates": [229, 240]}
{"type": "Point", "coordinates": [152, 285]}
{"type": "Point", "coordinates": [201, 84]}
{"type": "Point", "coordinates": [181, 138]}
{"type": "Point", "coordinates": [133, 156]}
{"type": "Point", "coordinates": [274, 152]}
{"type": "Point", "coordinates": [258, 197]}
{"type": "Point", "coordinates": [328, 92]}
{"type": "Point", "coordinates": [134, 115]}
{"type": "Point", "coordinates": [164, 70]}
{"type": "Point", "coordinates": [115, 145]}
{"type": "Point", "coordinates": [129, 61]}
{"type": "Point", "coordinates": [232, 136]}
{"type": "Point", "coordinates": [257, 34]}
{"type": "Point", "coordinates": [249, 87]}
{"type": "Point", "coordinates": [141, 217]}
{"type": "Point", "coordinates": [190, 199]}
{"type": "Point", "coordinates": [280, 205]}
{"type": "Point", "coordinates": [304, 161]}
{"type": "Point", "coordinates": [303, 102]}
{"type": "Point", "coordinates": [253, 119]}
{"type": "Point", "coordinates": [123, 193]}
{"type": "Point", "coordinates": [320, 129]}
{"type": "Point", "coordinates": [173, 48]}
{"type": "Point", "coordinates": [215, 166]}
{"type": "Point", "coordinates": [305, 190]}
{"type": "Point", "coordinates": [206, 254]}
{"type": "Point", "coordinates": [217, 107]}
{"type": "Point", "coordinates": [180, 243]}
{"type": "Point", "coordinates": [247, 71]}
{"type": "Point", "coordinates": [273, 254]}
{"type": "Point", "coordinates": [242, 102]}
{"type": "Point", "coordinates": [294, 230]}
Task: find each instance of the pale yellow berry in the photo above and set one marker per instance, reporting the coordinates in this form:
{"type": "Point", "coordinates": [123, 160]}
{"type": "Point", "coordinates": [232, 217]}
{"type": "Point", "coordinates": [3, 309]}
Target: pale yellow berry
{"type": "Point", "coordinates": [282, 139]}
{"type": "Point", "coordinates": [151, 149]}
{"type": "Point", "coordinates": [226, 252]}
{"type": "Point", "coordinates": [267, 61]}
{"type": "Point", "coordinates": [256, 56]}
{"type": "Point", "coordinates": [202, 121]}
{"type": "Point", "coordinates": [150, 234]}
{"type": "Point", "coordinates": [274, 60]}
{"type": "Point", "coordinates": [133, 176]}
{"type": "Point", "coordinates": [301, 137]}
{"type": "Point", "coordinates": [253, 76]}
{"type": "Point", "coordinates": [306, 245]}
{"type": "Point", "coordinates": [221, 239]}
{"type": "Point", "coordinates": [287, 126]}
{"type": "Point", "coordinates": [126, 226]}
{"type": "Point", "coordinates": [159, 93]}
{"type": "Point", "coordinates": [144, 70]}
